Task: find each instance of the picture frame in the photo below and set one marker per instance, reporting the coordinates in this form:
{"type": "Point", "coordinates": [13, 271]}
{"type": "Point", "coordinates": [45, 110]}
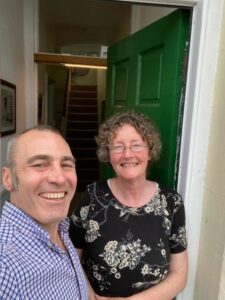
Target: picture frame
{"type": "Point", "coordinates": [8, 107]}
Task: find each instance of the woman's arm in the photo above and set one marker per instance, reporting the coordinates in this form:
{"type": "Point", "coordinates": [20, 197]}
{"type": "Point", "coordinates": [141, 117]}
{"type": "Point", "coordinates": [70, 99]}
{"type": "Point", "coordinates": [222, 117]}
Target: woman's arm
{"type": "Point", "coordinates": [91, 293]}
{"type": "Point", "coordinates": [168, 288]}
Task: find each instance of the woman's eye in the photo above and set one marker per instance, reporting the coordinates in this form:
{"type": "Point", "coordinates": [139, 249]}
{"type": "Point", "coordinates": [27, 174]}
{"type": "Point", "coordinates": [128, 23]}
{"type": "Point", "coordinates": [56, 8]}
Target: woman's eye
{"type": "Point", "coordinates": [117, 149]}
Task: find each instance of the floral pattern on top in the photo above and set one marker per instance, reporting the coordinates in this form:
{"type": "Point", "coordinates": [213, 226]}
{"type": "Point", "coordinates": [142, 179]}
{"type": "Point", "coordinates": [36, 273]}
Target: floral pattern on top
{"type": "Point", "coordinates": [127, 250]}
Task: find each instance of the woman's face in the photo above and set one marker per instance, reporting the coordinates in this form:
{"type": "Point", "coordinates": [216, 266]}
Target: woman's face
{"type": "Point", "coordinates": [129, 153]}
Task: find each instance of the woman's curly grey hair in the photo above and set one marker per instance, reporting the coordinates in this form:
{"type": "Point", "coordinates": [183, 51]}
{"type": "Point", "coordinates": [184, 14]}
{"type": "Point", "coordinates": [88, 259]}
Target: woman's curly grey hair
{"type": "Point", "coordinates": [143, 125]}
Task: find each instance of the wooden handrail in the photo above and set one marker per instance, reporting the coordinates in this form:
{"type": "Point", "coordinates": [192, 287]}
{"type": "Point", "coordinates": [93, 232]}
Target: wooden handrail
{"type": "Point", "coordinates": [51, 58]}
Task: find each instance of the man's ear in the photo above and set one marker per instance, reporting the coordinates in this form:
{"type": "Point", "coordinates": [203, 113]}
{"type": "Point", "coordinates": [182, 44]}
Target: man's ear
{"type": "Point", "coordinates": [7, 178]}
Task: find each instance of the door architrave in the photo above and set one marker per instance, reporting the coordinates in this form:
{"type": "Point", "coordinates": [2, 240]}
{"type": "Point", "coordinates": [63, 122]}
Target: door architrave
{"type": "Point", "coordinates": [204, 45]}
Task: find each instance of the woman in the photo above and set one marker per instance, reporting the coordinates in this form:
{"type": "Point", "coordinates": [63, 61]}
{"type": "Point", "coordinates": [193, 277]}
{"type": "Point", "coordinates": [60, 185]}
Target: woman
{"type": "Point", "coordinates": [130, 231]}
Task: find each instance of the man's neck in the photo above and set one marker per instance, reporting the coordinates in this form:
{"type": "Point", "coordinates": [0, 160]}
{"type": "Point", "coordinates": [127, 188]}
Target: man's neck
{"type": "Point", "coordinates": [54, 235]}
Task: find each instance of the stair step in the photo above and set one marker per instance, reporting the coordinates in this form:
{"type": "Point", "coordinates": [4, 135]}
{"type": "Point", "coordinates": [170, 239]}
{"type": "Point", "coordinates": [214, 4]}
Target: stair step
{"type": "Point", "coordinates": [83, 153]}
{"type": "Point", "coordinates": [73, 108]}
{"type": "Point", "coordinates": [90, 125]}
{"type": "Point", "coordinates": [85, 163]}
{"type": "Point", "coordinates": [83, 94]}
{"type": "Point", "coordinates": [82, 87]}
{"type": "Point", "coordinates": [89, 134]}
{"type": "Point", "coordinates": [82, 127]}
{"type": "Point", "coordinates": [82, 143]}
{"type": "Point", "coordinates": [83, 101]}
{"type": "Point", "coordinates": [92, 174]}
{"type": "Point", "coordinates": [82, 117]}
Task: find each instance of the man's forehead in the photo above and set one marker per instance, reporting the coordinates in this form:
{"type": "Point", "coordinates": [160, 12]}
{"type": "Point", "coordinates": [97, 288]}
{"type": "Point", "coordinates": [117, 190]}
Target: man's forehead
{"type": "Point", "coordinates": [36, 137]}
{"type": "Point", "coordinates": [48, 157]}
{"type": "Point", "coordinates": [35, 133]}
{"type": "Point", "coordinates": [42, 143]}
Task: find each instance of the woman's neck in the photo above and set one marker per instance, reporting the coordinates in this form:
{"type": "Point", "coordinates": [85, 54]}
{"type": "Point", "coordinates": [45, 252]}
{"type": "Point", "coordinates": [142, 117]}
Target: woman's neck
{"type": "Point", "coordinates": [133, 194]}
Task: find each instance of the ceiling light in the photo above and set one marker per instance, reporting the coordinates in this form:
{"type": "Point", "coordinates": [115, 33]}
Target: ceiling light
{"type": "Point", "coordinates": [84, 66]}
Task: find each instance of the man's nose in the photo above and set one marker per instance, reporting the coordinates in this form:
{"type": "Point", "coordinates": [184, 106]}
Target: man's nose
{"type": "Point", "coordinates": [56, 174]}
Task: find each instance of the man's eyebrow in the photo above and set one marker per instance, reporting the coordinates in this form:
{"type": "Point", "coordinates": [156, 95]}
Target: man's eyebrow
{"type": "Point", "coordinates": [70, 158]}
{"type": "Point", "coordinates": [49, 158]}
{"type": "Point", "coordinates": [37, 157]}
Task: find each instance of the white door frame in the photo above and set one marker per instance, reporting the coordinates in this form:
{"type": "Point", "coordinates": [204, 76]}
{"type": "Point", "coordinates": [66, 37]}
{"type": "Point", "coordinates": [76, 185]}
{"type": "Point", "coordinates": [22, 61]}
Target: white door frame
{"type": "Point", "coordinates": [204, 44]}
{"type": "Point", "coordinates": [206, 27]}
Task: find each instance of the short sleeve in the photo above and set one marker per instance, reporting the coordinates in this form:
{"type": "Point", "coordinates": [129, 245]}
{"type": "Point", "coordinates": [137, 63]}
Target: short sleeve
{"type": "Point", "coordinates": [78, 220]}
{"type": "Point", "coordinates": [178, 238]}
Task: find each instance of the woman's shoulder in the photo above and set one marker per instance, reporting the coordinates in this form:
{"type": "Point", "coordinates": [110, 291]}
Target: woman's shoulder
{"type": "Point", "coordinates": [167, 190]}
{"type": "Point", "coordinates": [170, 195]}
{"type": "Point", "coordinates": [95, 190]}
{"type": "Point", "coordinates": [97, 186]}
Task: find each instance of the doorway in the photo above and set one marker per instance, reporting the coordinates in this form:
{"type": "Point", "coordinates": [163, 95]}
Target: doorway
{"type": "Point", "coordinates": [197, 113]}
{"type": "Point", "coordinates": [123, 26]}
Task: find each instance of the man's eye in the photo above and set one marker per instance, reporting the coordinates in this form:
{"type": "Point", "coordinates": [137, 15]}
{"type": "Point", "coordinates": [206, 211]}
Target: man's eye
{"type": "Point", "coordinates": [68, 166]}
{"type": "Point", "coordinates": [39, 166]}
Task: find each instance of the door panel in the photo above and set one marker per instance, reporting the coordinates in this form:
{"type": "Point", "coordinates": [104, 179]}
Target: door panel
{"type": "Point", "coordinates": [120, 77]}
{"type": "Point", "coordinates": [145, 74]}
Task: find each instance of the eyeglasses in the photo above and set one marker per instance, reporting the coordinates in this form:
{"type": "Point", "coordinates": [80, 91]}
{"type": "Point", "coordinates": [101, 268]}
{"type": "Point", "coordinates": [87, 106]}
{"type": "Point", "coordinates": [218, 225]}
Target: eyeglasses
{"type": "Point", "coordinates": [121, 148]}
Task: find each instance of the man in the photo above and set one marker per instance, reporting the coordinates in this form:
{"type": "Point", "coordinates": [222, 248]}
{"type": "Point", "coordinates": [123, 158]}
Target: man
{"type": "Point", "coordinates": [37, 258]}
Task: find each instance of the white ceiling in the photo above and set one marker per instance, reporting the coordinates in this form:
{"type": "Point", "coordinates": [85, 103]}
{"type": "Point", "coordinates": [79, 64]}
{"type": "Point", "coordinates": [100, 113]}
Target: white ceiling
{"type": "Point", "coordinates": [84, 21]}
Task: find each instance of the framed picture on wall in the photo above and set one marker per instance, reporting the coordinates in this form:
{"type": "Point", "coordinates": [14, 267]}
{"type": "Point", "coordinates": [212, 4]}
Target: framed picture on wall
{"type": "Point", "coordinates": [8, 107]}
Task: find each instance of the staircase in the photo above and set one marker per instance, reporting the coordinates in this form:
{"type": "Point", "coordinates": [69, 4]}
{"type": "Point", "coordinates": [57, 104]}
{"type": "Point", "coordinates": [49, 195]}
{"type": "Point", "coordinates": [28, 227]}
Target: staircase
{"type": "Point", "coordinates": [82, 127]}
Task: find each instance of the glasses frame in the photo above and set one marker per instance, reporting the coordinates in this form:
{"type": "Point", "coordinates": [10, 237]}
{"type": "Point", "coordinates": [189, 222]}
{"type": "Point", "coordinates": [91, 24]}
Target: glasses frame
{"type": "Point", "coordinates": [136, 148]}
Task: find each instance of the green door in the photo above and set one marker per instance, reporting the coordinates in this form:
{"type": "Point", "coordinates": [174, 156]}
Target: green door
{"type": "Point", "coordinates": [145, 74]}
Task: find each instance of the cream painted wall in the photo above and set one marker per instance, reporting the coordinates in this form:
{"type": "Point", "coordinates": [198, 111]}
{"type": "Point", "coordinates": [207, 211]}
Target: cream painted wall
{"type": "Point", "coordinates": [210, 279]}
{"type": "Point", "coordinates": [123, 29]}
{"type": "Point", "coordinates": [144, 15]}
{"type": "Point", "coordinates": [222, 281]}
{"type": "Point", "coordinates": [212, 229]}
{"type": "Point", "coordinates": [12, 58]}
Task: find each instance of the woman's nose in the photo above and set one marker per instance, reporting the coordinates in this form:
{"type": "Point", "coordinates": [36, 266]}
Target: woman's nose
{"type": "Point", "coordinates": [127, 151]}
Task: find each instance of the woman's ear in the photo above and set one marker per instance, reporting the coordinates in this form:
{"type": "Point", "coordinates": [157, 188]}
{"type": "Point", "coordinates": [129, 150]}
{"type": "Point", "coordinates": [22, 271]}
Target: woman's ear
{"type": "Point", "coordinates": [7, 178]}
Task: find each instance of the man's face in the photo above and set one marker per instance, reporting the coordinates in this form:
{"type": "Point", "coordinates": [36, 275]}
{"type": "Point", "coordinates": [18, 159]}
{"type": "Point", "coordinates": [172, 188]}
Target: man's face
{"type": "Point", "coordinates": [47, 180]}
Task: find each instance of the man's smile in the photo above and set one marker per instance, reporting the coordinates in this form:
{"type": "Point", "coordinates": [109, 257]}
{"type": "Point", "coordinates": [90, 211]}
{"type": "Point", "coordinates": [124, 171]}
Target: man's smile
{"type": "Point", "coordinates": [53, 195]}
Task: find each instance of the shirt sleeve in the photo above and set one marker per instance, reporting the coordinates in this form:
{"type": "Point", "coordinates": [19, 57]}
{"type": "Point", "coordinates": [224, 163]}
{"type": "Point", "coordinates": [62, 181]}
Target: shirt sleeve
{"type": "Point", "coordinates": [78, 221]}
{"type": "Point", "coordinates": [178, 238]}
{"type": "Point", "coordinates": [8, 284]}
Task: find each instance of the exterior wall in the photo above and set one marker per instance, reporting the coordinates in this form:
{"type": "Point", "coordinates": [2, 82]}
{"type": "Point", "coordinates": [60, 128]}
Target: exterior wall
{"type": "Point", "coordinates": [210, 279]}
{"type": "Point", "coordinates": [222, 281]}
{"type": "Point", "coordinates": [12, 59]}
{"type": "Point", "coordinates": [18, 41]}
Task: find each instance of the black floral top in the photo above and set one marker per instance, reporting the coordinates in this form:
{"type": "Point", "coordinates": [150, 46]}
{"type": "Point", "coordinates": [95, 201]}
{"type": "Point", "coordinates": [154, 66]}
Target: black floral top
{"type": "Point", "coordinates": [127, 250]}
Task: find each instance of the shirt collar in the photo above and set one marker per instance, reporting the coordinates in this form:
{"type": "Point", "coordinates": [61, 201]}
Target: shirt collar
{"type": "Point", "coordinates": [24, 223]}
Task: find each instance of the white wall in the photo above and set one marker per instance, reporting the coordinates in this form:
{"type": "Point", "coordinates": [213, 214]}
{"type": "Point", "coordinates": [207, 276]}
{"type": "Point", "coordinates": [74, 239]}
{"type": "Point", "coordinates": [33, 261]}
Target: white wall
{"type": "Point", "coordinates": [17, 46]}
{"type": "Point", "coordinates": [210, 279]}
{"type": "Point", "coordinates": [144, 15]}
{"type": "Point", "coordinates": [12, 60]}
